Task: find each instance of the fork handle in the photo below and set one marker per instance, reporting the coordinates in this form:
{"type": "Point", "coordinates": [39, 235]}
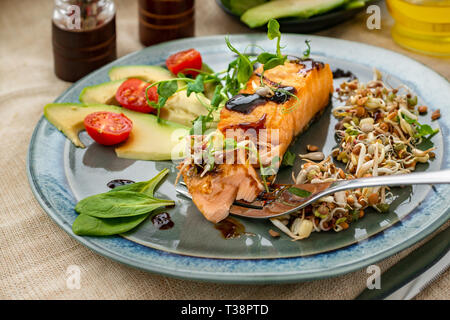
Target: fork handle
{"type": "Point", "coordinates": [431, 177]}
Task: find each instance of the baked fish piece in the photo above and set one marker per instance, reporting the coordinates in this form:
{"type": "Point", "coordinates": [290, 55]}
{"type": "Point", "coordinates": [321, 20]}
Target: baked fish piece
{"type": "Point", "coordinates": [292, 96]}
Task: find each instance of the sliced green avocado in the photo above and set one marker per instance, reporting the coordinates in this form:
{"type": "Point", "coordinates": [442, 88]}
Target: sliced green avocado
{"type": "Point", "coordinates": [260, 15]}
{"type": "Point", "coordinates": [240, 6]}
{"type": "Point", "coordinates": [103, 93]}
{"type": "Point", "coordinates": [144, 72]}
{"type": "Point", "coordinates": [148, 140]}
{"type": "Point", "coordinates": [153, 74]}
{"type": "Point", "coordinates": [179, 108]}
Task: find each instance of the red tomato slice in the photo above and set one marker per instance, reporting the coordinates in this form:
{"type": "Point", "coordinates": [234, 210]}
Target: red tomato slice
{"type": "Point", "coordinates": [131, 95]}
{"type": "Point", "coordinates": [108, 128]}
{"type": "Point", "coordinates": [188, 59]}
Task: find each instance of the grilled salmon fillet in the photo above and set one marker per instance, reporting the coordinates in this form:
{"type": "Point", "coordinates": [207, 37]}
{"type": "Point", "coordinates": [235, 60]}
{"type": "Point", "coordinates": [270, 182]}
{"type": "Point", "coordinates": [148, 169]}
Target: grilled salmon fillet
{"type": "Point", "coordinates": [281, 115]}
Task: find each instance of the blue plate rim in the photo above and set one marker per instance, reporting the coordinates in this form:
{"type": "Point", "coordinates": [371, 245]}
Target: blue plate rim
{"type": "Point", "coordinates": [231, 277]}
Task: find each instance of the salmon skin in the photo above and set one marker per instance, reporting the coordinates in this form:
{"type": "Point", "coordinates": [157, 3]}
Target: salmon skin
{"type": "Point", "coordinates": [272, 110]}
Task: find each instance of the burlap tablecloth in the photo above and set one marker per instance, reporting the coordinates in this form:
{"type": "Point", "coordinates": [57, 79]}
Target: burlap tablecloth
{"type": "Point", "coordinates": [35, 253]}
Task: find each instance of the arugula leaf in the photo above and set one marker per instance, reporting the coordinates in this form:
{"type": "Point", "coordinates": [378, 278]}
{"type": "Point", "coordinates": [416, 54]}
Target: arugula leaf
{"type": "Point", "coordinates": [119, 204]}
{"type": "Point", "coordinates": [288, 159]}
{"type": "Point", "coordinates": [299, 192]}
{"type": "Point", "coordinates": [197, 86]}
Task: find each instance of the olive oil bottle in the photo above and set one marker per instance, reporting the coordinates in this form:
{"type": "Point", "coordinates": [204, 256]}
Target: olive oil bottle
{"type": "Point", "coordinates": [422, 25]}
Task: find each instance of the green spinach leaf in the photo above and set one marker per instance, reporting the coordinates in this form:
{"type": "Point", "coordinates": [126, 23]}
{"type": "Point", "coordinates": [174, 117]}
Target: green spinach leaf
{"type": "Point", "coordinates": [85, 225]}
{"type": "Point", "coordinates": [147, 187]}
{"type": "Point", "coordinates": [119, 204]}
{"type": "Point", "coordinates": [88, 225]}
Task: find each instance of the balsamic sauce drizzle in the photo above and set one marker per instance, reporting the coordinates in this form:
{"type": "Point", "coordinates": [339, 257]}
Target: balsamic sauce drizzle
{"type": "Point", "coordinates": [231, 228]}
{"type": "Point", "coordinates": [118, 182]}
{"type": "Point", "coordinates": [245, 102]}
{"type": "Point", "coordinates": [339, 73]}
{"type": "Point", "coordinates": [162, 221]}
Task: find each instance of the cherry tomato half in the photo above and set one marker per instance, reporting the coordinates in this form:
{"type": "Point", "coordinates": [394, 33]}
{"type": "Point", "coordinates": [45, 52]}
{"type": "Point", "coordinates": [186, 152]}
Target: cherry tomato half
{"type": "Point", "coordinates": [188, 59]}
{"type": "Point", "coordinates": [108, 128]}
{"type": "Point", "coordinates": [131, 95]}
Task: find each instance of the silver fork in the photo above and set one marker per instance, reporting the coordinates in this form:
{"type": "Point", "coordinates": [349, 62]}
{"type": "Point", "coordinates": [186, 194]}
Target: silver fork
{"type": "Point", "coordinates": [288, 200]}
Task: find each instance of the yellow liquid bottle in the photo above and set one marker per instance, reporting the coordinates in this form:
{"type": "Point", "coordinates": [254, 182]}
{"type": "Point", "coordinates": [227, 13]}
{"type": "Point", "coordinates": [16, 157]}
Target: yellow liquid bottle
{"type": "Point", "coordinates": [422, 25]}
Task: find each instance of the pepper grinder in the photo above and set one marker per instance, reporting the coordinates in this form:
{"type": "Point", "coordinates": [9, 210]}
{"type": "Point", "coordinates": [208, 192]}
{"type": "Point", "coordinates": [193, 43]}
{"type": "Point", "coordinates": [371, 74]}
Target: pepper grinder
{"type": "Point", "coordinates": [83, 36]}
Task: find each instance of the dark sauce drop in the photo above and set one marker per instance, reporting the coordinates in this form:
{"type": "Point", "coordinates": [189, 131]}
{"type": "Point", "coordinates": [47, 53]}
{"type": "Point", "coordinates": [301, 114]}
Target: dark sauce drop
{"type": "Point", "coordinates": [162, 221]}
{"type": "Point", "coordinates": [339, 73]}
{"type": "Point", "coordinates": [118, 182]}
{"type": "Point", "coordinates": [244, 102]}
{"type": "Point", "coordinates": [230, 228]}
{"type": "Point", "coordinates": [281, 97]}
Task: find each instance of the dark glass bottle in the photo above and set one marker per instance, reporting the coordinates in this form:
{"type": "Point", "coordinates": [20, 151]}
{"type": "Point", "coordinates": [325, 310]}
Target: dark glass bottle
{"type": "Point", "coordinates": [163, 20]}
{"type": "Point", "coordinates": [83, 36]}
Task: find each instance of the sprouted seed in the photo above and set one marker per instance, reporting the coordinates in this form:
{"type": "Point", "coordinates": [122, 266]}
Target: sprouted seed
{"type": "Point", "coordinates": [378, 134]}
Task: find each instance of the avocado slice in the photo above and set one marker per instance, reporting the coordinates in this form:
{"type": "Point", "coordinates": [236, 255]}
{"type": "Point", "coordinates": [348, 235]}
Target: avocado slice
{"type": "Point", "coordinates": [240, 6]}
{"type": "Point", "coordinates": [153, 74]}
{"type": "Point", "coordinates": [148, 140]}
{"type": "Point", "coordinates": [179, 108]}
{"type": "Point", "coordinates": [144, 72]}
{"type": "Point", "coordinates": [103, 93]}
{"type": "Point", "coordinates": [260, 15]}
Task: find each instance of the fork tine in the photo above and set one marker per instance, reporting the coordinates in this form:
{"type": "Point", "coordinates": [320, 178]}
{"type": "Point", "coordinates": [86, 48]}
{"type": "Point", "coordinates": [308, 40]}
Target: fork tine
{"type": "Point", "coordinates": [251, 205]}
{"type": "Point", "coordinates": [183, 192]}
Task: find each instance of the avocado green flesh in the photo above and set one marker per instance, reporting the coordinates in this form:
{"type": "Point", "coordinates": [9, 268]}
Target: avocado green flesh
{"type": "Point", "coordinates": [148, 140]}
{"type": "Point", "coordinates": [240, 6]}
{"type": "Point", "coordinates": [103, 93]}
{"type": "Point", "coordinates": [260, 15]}
{"type": "Point", "coordinates": [144, 72]}
{"type": "Point", "coordinates": [179, 108]}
